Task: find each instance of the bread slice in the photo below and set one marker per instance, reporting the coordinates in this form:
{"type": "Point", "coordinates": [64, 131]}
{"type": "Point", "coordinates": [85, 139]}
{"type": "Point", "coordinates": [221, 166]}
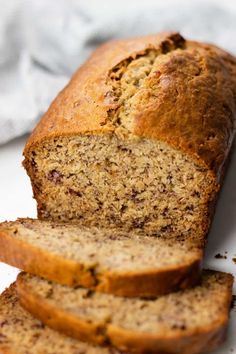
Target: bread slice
{"type": "Point", "coordinates": [20, 333]}
{"type": "Point", "coordinates": [138, 138]}
{"type": "Point", "coordinates": [106, 260]}
{"type": "Point", "coordinates": [188, 322]}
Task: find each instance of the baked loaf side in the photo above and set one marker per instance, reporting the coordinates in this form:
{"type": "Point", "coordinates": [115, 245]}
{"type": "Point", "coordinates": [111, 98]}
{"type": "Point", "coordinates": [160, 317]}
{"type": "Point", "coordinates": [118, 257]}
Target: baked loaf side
{"type": "Point", "coordinates": [138, 138]}
{"type": "Point", "coordinates": [113, 261]}
{"type": "Point", "coordinates": [20, 333]}
{"type": "Point", "coordinates": [188, 322]}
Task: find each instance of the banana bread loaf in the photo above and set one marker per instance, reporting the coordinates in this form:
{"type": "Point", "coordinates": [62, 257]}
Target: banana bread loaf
{"type": "Point", "coordinates": [107, 260]}
{"type": "Point", "coordinates": [139, 137]}
{"type": "Point", "coordinates": [186, 322]}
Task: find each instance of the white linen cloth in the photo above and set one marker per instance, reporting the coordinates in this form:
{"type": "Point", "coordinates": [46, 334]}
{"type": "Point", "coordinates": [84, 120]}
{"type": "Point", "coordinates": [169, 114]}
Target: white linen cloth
{"type": "Point", "coordinates": [43, 41]}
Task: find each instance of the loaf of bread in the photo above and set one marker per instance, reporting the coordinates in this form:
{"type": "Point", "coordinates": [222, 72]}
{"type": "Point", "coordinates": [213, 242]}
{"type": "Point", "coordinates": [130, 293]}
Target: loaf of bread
{"type": "Point", "coordinates": [139, 137]}
{"type": "Point", "coordinates": [106, 260]}
{"type": "Point", "coordinates": [20, 333]}
{"type": "Point", "coordinates": [188, 322]}
{"type": "Point", "coordinates": [125, 167]}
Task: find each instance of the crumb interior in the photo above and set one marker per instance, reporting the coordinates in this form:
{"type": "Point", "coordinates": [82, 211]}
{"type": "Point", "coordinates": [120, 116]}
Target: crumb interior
{"type": "Point", "coordinates": [134, 184]}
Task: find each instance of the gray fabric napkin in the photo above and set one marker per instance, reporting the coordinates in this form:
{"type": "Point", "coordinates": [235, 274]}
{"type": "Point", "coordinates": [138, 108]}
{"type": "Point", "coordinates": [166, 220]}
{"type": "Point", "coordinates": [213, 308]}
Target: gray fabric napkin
{"type": "Point", "coordinates": [43, 42]}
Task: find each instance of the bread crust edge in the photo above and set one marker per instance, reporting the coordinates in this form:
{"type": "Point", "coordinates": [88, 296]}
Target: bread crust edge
{"type": "Point", "coordinates": [153, 282]}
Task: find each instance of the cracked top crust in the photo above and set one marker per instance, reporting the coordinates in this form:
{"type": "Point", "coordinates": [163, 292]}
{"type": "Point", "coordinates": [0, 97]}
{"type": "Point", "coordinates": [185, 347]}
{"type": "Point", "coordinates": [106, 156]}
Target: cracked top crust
{"type": "Point", "coordinates": [185, 95]}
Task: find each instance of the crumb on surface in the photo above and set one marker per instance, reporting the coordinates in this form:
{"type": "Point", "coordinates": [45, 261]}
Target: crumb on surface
{"type": "Point", "coordinates": [220, 256]}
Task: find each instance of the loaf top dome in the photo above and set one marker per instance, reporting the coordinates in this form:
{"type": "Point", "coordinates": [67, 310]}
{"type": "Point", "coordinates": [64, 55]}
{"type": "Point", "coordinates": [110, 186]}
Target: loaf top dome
{"type": "Point", "coordinates": [177, 91]}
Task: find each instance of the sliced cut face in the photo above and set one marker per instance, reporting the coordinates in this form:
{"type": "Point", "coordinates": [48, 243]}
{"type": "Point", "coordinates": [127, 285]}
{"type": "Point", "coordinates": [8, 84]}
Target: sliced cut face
{"type": "Point", "coordinates": [124, 263]}
{"type": "Point", "coordinates": [198, 315]}
{"type": "Point", "coordinates": [134, 183]}
{"type": "Point", "coordinates": [20, 333]}
{"type": "Point", "coordinates": [110, 250]}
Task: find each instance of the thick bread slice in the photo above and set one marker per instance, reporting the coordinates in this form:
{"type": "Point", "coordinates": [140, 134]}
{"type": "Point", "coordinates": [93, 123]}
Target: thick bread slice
{"type": "Point", "coordinates": [188, 322]}
{"type": "Point", "coordinates": [105, 260]}
{"type": "Point", "coordinates": [20, 333]}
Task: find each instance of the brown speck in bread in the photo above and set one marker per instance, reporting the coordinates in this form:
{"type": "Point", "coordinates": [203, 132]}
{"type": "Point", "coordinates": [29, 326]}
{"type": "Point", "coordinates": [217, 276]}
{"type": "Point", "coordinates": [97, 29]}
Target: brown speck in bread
{"type": "Point", "coordinates": [49, 293]}
{"type": "Point", "coordinates": [55, 176]}
{"type": "Point", "coordinates": [3, 323]}
{"type": "Point", "coordinates": [234, 260]}
{"type": "Point", "coordinates": [77, 193]}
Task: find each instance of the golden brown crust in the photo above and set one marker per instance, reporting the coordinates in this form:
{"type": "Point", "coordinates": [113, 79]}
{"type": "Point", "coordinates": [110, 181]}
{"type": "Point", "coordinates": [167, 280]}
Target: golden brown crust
{"type": "Point", "coordinates": [206, 340]}
{"type": "Point", "coordinates": [195, 341]}
{"type": "Point", "coordinates": [5, 350]}
{"type": "Point", "coordinates": [155, 282]}
{"type": "Point", "coordinates": [194, 110]}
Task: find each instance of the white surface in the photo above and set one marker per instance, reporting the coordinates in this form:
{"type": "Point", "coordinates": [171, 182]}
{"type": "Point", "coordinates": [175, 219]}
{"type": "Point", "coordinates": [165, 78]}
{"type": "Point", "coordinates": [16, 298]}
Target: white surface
{"type": "Point", "coordinates": [16, 201]}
